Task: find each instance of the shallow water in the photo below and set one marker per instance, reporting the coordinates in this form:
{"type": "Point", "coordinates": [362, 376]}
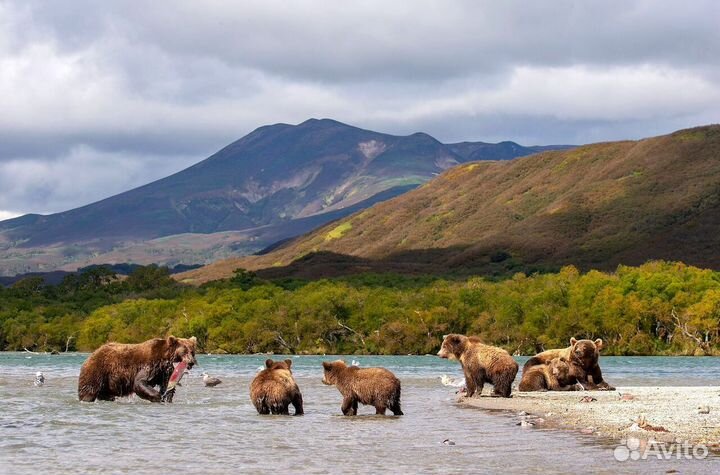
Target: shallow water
{"type": "Point", "coordinates": [217, 431]}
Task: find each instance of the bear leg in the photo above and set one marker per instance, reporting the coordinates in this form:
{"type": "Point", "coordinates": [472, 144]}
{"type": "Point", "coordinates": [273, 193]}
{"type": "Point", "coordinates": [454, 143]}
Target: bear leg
{"type": "Point", "coordinates": [297, 403]}
{"type": "Point", "coordinates": [349, 406]}
{"type": "Point", "coordinates": [143, 389]}
{"type": "Point", "coordinates": [395, 407]}
{"type": "Point", "coordinates": [380, 410]}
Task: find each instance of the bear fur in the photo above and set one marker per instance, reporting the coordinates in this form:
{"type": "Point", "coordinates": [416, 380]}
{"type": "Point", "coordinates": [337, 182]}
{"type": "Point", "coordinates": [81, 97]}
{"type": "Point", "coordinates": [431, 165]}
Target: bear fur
{"type": "Point", "coordinates": [553, 376]}
{"type": "Point", "coordinates": [481, 364]}
{"type": "Point", "coordinates": [582, 356]}
{"type": "Point", "coordinates": [373, 386]}
{"type": "Point", "coordinates": [274, 389]}
{"type": "Point", "coordinates": [116, 369]}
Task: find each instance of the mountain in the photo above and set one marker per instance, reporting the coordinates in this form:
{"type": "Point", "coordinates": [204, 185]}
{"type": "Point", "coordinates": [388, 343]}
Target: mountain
{"type": "Point", "coordinates": [595, 206]}
{"type": "Point", "coordinates": [277, 182]}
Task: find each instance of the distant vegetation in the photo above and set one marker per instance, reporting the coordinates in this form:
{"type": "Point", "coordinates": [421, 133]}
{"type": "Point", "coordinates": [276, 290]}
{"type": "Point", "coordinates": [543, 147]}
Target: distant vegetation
{"type": "Point", "coordinates": [657, 308]}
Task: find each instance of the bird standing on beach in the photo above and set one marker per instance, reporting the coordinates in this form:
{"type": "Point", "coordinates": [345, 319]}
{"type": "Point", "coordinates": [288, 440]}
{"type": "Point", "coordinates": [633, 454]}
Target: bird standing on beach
{"type": "Point", "coordinates": [39, 379]}
{"type": "Point", "coordinates": [210, 382]}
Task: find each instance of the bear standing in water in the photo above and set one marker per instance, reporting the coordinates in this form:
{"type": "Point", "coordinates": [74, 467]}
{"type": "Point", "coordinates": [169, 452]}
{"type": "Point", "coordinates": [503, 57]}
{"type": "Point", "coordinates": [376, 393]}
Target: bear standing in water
{"type": "Point", "coordinates": [582, 356]}
{"type": "Point", "coordinates": [553, 376]}
{"type": "Point", "coordinates": [481, 364]}
{"type": "Point", "coordinates": [116, 369]}
{"type": "Point", "coordinates": [374, 386]}
{"type": "Point", "coordinates": [274, 389]}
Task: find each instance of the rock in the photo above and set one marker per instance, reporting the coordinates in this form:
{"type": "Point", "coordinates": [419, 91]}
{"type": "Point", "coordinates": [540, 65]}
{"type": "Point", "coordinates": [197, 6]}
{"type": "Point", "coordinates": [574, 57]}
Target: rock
{"type": "Point", "coordinates": [587, 399]}
{"type": "Point", "coordinates": [448, 442]}
{"type": "Point", "coordinates": [522, 413]}
{"type": "Point", "coordinates": [704, 410]}
{"type": "Point", "coordinates": [627, 397]}
{"type": "Point", "coordinates": [525, 424]}
{"type": "Point", "coordinates": [588, 431]}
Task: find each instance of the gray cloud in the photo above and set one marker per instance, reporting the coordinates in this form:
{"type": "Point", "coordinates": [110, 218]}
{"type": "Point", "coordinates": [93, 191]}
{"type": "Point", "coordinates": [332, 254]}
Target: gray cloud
{"type": "Point", "coordinates": [117, 93]}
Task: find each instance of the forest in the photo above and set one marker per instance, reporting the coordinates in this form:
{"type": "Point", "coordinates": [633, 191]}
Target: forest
{"type": "Point", "coordinates": [659, 308]}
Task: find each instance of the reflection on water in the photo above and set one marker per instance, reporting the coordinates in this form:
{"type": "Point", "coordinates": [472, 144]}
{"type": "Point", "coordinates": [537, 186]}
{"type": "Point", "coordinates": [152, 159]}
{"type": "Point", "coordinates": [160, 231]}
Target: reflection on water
{"type": "Point", "coordinates": [216, 431]}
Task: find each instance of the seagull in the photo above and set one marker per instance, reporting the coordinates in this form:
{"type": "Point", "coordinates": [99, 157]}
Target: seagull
{"type": "Point", "coordinates": [448, 381]}
{"type": "Point", "coordinates": [355, 363]}
{"type": "Point", "coordinates": [210, 382]}
{"type": "Point", "coordinates": [39, 379]}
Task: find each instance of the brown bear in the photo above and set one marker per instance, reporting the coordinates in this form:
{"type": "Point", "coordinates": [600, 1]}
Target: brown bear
{"type": "Point", "coordinates": [553, 376]}
{"type": "Point", "coordinates": [481, 364]}
{"type": "Point", "coordinates": [582, 356]}
{"type": "Point", "coordinates": [116, 369]}
{"type": "Point", "coordinates": [274, 389]}
{"type": "Point", "coordinates": [373, 386]}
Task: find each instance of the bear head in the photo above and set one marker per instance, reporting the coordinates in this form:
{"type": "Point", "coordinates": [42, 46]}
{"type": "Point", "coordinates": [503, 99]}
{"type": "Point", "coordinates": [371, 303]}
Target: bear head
{"type": "Point", "coordinates": [560, 368]}
{"type": "Point", "coordinates": [181, 349]}
{"type": "Point", "coordinates": [272, 365]}
{"type": "Point", "coordinates": [585, 352]}
{"type": "Point", "coordinates": [332, 370]}
{"type": "Point", "coordinates": [453, 346]}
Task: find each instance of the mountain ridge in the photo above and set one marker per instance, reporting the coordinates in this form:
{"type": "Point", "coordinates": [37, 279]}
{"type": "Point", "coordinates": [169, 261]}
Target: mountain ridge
{"type": "Point", "coordinates": [595, 206]}
{"type": "Point", "coordinates": [272, 176]}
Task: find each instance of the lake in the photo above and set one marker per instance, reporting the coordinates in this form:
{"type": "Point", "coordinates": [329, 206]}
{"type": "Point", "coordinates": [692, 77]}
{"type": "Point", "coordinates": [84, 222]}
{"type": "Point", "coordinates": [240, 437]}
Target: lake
{"type": "Point", "coordinates": [217, 430]}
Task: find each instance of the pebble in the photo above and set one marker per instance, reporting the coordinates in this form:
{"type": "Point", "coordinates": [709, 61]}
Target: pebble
{"type": "Point", "coordinates": [588, 399]}
{"type": "Point", "coordinates": [704, 410]}
{"type": "Point", "coordinates": [448, 442]}
{"type": "Point", "coordinates": [525, 424]}
{"type": "Point", "coordinates": [588, 430]}
{"type": "Point", "coordinates": [627, 397]}
{"type": "Point", "coordinates": [522, 413]}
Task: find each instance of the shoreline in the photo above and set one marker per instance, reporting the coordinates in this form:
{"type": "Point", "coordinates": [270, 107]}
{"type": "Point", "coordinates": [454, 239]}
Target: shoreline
{"type": "Point", "coordinates": [670, 413]}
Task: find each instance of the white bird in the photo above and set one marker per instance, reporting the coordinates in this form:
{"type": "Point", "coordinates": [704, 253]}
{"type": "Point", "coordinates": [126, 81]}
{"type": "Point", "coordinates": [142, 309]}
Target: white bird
{"type": "Point", "coordinates": [210, 382]}
{"type": "Point", "coordinates": [39, 379]}
{"type": "Point", "coordinates": [355, 363]}
{"type": "Point", "coordinates": [448, 381]}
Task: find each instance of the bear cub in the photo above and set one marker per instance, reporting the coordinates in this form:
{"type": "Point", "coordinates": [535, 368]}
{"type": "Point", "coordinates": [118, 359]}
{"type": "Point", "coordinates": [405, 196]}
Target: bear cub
{"type": "Point", "coordinates": [481, 364]}
{"type": "Point", "coordinates": [274, 389]}
{"type": "Point", "coordinates": [372, 386]}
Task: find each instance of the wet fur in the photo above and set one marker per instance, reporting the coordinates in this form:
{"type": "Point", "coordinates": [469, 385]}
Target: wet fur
{"type": "Point", "coordinates": [583, 358]}
{"type": "Point", "coordinates": [376, 387]}
{"type": "Point", "coordinates": [117, 370]}
{"type": "Point", "coordinates": [481, 364]}
{"type": "Point", "coordinates": [554, 376]}
{"type": "Point", "coordinates": [274, 389]}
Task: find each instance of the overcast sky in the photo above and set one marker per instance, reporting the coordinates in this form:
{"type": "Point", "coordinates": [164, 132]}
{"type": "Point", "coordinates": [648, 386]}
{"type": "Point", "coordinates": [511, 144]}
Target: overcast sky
{"type": "Point", "coordinates": [97, 97]}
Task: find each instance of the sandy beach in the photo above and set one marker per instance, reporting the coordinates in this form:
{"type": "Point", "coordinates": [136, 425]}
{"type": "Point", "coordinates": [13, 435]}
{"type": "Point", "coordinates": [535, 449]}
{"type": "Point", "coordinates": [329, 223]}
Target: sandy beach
{"type": "Point", "coordinates": [670, 413]}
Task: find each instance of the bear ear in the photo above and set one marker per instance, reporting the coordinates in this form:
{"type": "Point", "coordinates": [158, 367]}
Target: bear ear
{"type": "Point", "coordinates": [599, 344]}
{"type": "Point", "coordinates": [327, 365]}
{"type": "Point", "coordinates": [268, 363]}
{"type": "Point", "coordinates": [193, 340]}
{"type": "Point", "coordinates": [573, 341]}
{"type": "Point", "coordinates": [172, 341]}
{"type": "Point", "coordinates": [288, 363]}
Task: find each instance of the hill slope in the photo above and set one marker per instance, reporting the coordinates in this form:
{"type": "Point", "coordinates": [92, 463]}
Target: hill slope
{"type": "Point", "coordinates": [277, 182]}
{"type": "Point", "coordinates": [594, 206]}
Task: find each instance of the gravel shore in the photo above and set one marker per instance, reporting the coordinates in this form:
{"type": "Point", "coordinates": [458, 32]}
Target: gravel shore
{"type": "Point", "coordinates": [661, 413]}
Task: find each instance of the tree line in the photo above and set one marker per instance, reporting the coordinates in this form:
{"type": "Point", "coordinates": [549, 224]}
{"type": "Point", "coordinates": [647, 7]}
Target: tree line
{"type": "Point", "coordinates": [662, 308]}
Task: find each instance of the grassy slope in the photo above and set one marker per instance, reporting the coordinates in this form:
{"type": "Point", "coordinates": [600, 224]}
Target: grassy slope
{"type": "Point", "coordinates": [594, 206]}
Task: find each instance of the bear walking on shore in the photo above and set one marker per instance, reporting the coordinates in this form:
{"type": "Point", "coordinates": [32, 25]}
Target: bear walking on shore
{"type": "Point", "coordinates": [274, 389]}
{"type": "Point", "coordinates": [373, 386]}
{"type": "Point", "coordinates": [553, 376]}
{"type": "Point", "coordinates": [481, 364]}
{"type": "Point", "coordinates": [116, 369]}
{"type": "Point", "coordinates": [583, 358]}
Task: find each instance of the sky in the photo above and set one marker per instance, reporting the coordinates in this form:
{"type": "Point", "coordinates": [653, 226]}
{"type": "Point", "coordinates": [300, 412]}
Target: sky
{"type": "Point", "coordinates": [99, 97]}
